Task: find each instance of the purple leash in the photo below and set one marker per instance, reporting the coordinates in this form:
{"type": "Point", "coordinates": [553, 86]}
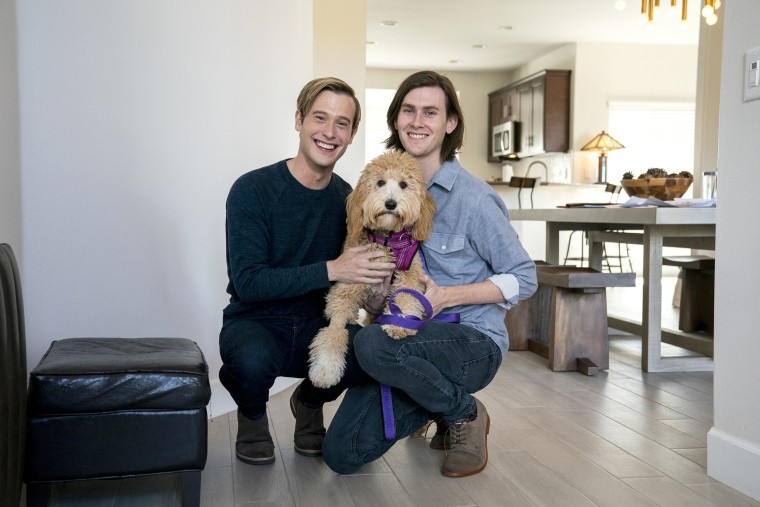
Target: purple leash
{"type": "Point", "coordinates": [396, 318]}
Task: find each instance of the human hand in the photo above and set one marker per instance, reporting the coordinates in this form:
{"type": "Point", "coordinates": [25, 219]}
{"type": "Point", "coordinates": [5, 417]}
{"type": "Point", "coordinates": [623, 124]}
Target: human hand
{"type": "Point", "coordinates": [360, 264]}
{"type": "Point", "coordinates": [435, 294]}
{"type": "Point", "coordinates": [376, 304]}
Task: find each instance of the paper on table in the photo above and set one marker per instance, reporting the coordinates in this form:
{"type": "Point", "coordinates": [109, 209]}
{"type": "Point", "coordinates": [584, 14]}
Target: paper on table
{"type": "Point", "coordinates": [589, 205]}
{"type": "Point", "coordinates": [635, 202]}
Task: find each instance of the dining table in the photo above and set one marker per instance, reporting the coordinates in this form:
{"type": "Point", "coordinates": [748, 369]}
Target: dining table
{"type": "Point", "coordinates": [653, 227]}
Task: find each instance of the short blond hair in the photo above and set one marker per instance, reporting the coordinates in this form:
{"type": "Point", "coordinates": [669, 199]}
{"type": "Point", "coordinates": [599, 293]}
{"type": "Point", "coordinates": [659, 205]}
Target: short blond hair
{"type": "Point", "coordinates": [313, 88]}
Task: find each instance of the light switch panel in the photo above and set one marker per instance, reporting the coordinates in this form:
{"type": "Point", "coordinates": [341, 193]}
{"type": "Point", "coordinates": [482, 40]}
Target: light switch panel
{"type": "Point", "coordinates": [752, 75]}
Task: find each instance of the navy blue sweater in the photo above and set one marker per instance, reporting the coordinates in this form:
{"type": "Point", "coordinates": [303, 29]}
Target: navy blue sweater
{"type": "Point", "coordinates": [279, 236]}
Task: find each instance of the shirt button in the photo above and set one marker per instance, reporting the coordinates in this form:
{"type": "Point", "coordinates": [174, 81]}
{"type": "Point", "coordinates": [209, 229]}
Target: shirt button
{"type": "Point", "coordinates": [443, 247]}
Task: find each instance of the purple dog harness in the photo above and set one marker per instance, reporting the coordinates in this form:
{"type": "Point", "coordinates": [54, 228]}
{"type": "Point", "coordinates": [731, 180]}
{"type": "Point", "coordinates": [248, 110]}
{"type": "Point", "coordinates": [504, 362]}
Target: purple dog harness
{"type": "Point", "coordinates": [404, 247]}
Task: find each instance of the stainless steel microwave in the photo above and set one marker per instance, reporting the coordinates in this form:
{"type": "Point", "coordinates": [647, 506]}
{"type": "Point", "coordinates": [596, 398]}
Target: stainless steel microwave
{"type": "Point", "coordinates": [504, 137]}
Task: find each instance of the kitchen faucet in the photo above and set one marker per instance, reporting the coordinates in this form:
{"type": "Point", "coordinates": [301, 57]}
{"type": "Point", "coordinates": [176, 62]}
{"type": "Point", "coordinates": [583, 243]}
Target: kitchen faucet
{"type": "Point", "coordinates": [546, 171]}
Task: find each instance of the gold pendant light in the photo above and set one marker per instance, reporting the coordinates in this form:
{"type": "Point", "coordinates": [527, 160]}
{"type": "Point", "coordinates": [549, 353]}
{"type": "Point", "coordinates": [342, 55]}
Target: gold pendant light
{"type": "Point", "coordinates": [650, 9]}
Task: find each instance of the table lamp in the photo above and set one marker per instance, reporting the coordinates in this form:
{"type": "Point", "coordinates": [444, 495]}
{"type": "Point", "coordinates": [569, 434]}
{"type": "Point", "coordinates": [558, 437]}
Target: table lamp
{"type": "Point", "coordinates": [602, 143]}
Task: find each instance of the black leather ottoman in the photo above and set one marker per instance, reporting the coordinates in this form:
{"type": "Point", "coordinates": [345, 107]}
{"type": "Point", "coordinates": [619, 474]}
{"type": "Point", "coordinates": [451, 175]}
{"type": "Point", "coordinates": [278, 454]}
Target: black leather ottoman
{"type": "Point", "coordinates": [102, 408]}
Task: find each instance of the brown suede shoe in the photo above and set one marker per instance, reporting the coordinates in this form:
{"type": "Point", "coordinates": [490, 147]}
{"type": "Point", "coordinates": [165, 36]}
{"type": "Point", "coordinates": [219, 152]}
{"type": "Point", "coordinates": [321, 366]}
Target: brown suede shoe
{"type": "Point", "coordinates": [310, 427]}
{"type": "Point", "coordinates": [442, 439]}
{"type": "Point", "coordinates": [469, 450]}
{"type": "Point", "coordinates": [254, 442]}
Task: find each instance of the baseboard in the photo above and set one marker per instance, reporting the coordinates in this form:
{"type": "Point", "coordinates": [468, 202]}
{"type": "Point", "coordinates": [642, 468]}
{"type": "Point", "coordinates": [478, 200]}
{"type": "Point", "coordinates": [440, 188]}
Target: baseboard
{"type": "Point", "coordinates": [222, 403]}
{"type": "Point", "coordinates": [734, 462]}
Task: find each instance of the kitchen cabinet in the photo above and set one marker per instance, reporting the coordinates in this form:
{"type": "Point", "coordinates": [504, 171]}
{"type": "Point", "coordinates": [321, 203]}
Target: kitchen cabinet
{"type": "Point", "coordinates": [541, 105]}
{"type": "Point", "coordinates": [503, 106]}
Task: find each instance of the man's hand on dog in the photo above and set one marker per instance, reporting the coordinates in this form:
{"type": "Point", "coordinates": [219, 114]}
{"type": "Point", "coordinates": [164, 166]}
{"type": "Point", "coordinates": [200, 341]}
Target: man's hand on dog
{"type": "Point", "coordinates": [435, 294]}
{"type": "Point", "coordinates": [359, 265]}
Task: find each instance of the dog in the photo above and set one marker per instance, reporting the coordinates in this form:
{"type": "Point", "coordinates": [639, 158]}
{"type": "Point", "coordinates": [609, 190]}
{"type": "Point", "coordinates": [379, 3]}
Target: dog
{"type": "Point", "coordinates": [389, 205]}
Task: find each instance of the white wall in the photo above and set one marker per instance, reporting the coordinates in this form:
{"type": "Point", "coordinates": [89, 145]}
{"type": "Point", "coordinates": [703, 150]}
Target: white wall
{"type": "Point", "coordinates": [136, 118]}
{"type": "Point", "coordinates": [733, 444]}
{"type": "Point", "coordinates": [10, 163]}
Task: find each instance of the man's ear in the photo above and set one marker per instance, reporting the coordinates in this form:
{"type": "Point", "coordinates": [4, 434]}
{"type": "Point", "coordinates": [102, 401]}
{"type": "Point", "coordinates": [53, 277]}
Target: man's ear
{"type": "Point", "coordinates": [299, 121]}
{"type": "Point", "coordinates": [451, 123]}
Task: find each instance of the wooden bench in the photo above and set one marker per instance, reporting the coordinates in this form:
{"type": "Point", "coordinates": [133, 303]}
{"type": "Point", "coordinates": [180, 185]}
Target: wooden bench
{"type": "Point", "coordinates": [566, 319]}
{"type": "Point", "coordinates": [697, 291]}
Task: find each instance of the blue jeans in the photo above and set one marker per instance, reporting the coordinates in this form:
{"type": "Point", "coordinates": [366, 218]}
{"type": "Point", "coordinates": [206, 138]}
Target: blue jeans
{"type": "Point", "coordinates": [256, 352]}
{"type": "Point", "coordinates": [432, 373]}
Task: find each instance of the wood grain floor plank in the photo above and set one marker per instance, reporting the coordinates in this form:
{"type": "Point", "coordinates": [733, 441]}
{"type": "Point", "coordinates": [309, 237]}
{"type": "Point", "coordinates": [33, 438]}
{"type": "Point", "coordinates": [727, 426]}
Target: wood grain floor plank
{"type": "Point", "coordinates": [378, 491]}
{"type": "Point", "coordinates": [502, 416]}
{"type": "Point", "coordinates": [592, 481]}
{"type": "Point", "coordinates": [701, 409]}
{"type": "Point", "coordinates": [701, 381]}
{"type": "Point", "coordinates": [666, 491]}
{"type": "Point", "coordinates": [589, 445]}
{"type": "Point", "coordinates": [722, 495]}
{"type": "Point", "coordinates": [537, 482]}
{"type": "Point", "coordinates": [217, 489]}
{"type": "Point", "coordinates": [698, 456]}
{"type": "Point", "coordinates": [312, 483]}
{"type": "Point", "coordinates": [418, 468]}
{"type": "Point", "coordinates": [219, 442]}
{"type": "Point", "coordinates": [661, 458]}
{"type": "Point", "coordinates": [695, 429]}
{"type": "Point", "coordinates": [635, 420]}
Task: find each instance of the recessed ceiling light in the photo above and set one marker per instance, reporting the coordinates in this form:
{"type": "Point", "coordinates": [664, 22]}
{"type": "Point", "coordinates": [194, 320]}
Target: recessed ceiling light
{"type": "Point", "coordinates": [479, 46]}
{"type": "Point", "coordinates": [389, 22]}
{"type": "Point", "coordinates": [455, 61]}
{"type": "Point", "coordinates": [505, 27]}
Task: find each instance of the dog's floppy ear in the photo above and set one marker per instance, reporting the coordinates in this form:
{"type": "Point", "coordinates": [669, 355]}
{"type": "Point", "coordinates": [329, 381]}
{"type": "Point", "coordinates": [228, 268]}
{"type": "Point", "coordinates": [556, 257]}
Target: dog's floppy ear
{"type": "Point", "coordinates": [423, 227]}
{"type": "Point", "coordinates": [356, 234]}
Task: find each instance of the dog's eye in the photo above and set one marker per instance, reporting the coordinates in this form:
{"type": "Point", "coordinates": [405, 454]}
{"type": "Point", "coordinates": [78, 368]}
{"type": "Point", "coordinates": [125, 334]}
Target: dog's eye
{"type": "Point", "coordinates": [380, 183]}
{"type": "Point", "coordinates": [403, 184]}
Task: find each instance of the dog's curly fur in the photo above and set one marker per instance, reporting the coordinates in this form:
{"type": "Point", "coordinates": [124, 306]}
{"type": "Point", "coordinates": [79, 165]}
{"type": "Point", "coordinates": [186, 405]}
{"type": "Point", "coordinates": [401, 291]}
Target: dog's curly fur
{"type": "Point", "coordinates": [390, 196]}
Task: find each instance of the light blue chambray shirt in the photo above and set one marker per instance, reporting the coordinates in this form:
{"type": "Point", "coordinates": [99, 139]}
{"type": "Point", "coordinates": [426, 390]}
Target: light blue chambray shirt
{"type": "Point", "coordinates": [473, 241]}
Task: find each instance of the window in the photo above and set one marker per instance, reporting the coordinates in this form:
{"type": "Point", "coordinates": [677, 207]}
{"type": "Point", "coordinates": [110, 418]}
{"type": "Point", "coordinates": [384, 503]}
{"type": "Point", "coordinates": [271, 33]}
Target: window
{"type": "Point", "coordinates": [655, 134]}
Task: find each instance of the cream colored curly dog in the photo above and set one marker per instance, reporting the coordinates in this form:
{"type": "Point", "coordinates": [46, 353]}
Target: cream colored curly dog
{"type": "Point", "coordinates": [389, 205]}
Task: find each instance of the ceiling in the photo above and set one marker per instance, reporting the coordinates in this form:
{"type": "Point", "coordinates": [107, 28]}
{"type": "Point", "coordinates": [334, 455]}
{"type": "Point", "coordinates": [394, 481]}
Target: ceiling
{"type": "Point", "coordinates": [432, 33]}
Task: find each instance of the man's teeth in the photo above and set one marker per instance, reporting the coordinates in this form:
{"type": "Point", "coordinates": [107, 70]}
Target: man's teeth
{"type": "Point", "coordinates": [417, 136]}
{"type": "Point", "coordinates": [325, 145]}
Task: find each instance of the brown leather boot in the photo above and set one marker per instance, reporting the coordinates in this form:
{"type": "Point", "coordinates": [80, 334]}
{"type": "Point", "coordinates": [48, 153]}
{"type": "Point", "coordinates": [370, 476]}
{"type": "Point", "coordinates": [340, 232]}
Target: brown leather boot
{"type": "Point", "coordinates": [254, 442]}
{"type": "Point", "coordinates": [310, 427]}
{"type": "Point", "coordinates": [469, 450]}
{"type": "Point", "coordinates": [441, 440]}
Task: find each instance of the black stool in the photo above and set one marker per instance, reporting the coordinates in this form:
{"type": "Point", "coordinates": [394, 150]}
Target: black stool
{"type": "Point", "coordinates": [107, 408]}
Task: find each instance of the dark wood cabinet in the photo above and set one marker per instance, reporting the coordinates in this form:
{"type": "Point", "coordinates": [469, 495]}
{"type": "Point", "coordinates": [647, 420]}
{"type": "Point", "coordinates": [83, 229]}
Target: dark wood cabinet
{"type": "Point", "coordinates": [541, 105]}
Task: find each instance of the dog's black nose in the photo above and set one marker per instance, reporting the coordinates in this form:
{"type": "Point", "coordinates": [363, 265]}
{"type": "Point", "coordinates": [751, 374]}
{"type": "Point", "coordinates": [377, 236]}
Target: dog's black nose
{"type": "Point", "coordinates": [390, 204]}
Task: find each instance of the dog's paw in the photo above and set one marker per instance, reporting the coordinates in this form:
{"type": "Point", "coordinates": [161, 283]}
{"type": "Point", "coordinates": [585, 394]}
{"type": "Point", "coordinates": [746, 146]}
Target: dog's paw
{"type": "Point", "coordinates": [323, 377]}
{"type": "Point", "coordinates": [397, 332]}
{"type": "Point", "coordinates": [327, 357]}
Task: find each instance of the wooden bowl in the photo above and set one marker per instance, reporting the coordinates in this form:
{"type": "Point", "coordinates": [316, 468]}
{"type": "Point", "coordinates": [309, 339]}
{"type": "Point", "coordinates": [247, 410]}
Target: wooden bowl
{"type": "Point", "coordinates": [665, 189]}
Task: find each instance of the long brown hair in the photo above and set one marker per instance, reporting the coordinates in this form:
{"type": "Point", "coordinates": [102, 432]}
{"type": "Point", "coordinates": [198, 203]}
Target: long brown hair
{"type": "Point", "coordinates": [452, 142]}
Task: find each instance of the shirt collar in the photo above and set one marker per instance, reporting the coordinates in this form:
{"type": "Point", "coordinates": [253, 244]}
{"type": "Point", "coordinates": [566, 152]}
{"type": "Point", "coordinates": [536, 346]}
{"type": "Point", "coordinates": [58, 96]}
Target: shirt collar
{"type": "Point", "coordinates": [447, 174]}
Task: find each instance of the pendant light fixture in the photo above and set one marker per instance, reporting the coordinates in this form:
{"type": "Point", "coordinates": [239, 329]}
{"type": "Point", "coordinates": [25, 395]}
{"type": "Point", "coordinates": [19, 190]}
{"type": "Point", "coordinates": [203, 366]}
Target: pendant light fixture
{"type": "Point", "coordinates": [650, 10]}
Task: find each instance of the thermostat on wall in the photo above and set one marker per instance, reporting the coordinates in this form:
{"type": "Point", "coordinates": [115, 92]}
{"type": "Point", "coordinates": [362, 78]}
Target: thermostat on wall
{"type": "Point", "coordinates": [752, 75]}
